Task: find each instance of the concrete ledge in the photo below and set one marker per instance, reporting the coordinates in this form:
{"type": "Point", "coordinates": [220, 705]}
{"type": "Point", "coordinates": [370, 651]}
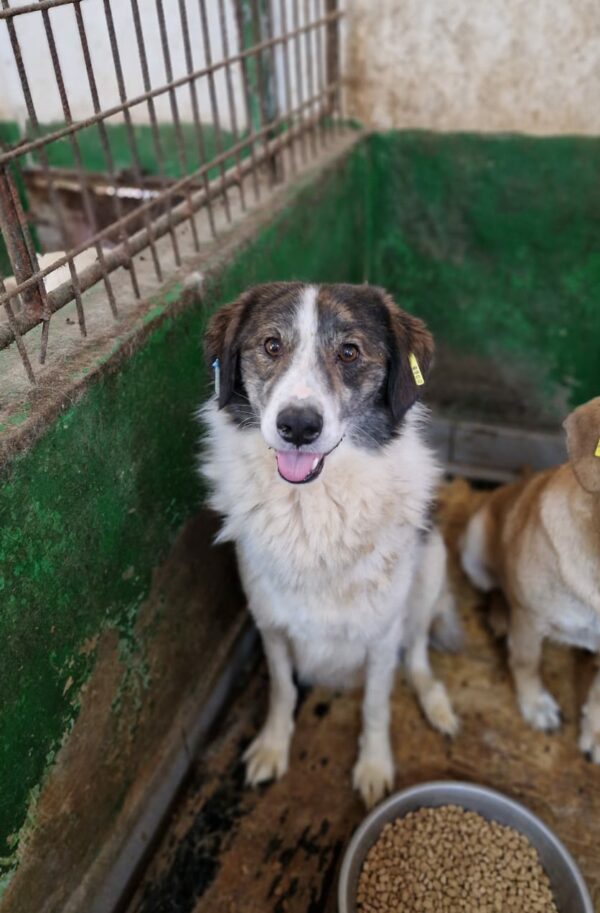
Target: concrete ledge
{"type": "Point", "coordinates": [495, 453]}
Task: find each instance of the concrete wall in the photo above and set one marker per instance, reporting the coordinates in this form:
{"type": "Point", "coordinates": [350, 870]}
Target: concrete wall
{"type": "Point", "coordinates": [506, 65]}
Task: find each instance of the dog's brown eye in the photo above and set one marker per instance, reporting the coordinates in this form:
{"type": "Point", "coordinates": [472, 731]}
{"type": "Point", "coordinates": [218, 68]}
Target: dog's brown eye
{"type": "Point", "coordinates": [348, 352]}
{"type": "Point", "coordinates": [273, 347]}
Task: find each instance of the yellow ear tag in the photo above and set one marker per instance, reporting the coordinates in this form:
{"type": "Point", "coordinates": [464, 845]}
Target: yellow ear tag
{"type": "Point", "coordinates": [414, 364]}
{"type": "Point", "coordinates": [597, 450]}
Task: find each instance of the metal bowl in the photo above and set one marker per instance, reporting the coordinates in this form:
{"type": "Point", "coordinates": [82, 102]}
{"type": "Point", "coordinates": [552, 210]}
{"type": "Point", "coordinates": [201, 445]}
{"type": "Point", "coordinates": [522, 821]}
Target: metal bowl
{"type": "Point", "coordinates": [568, 886]}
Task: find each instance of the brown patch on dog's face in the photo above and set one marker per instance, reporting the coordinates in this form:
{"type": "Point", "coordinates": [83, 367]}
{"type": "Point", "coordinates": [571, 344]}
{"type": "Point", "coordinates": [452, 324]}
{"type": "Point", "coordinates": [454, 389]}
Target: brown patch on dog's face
{"type": "Point", "coordinates": [583, 441]}
{"type": "Point", "coordinates": [376, 387]}
{"type": "Point", "coordinates": [237, 335]}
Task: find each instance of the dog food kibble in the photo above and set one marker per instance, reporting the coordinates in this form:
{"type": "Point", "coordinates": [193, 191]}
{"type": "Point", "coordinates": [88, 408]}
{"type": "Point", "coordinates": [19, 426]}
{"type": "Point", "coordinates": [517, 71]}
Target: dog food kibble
{"type": "Point", "coordinates": [448, 860]}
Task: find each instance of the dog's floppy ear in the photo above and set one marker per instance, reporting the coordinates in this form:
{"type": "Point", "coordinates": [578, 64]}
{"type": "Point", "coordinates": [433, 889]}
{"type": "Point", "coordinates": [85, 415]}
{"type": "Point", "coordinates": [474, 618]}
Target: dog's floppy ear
{"type": "Point", "coordinates": [411, 358]}
{"type": "Point", "coordinates": [223, 336]}
{"type": "Point", "coordinates": [221, 341]}
{"type": "Point", "coordinates": [583, 443]}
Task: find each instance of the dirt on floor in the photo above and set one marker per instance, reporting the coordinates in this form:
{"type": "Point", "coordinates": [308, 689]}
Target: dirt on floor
{"type": "Point", "coordinates": [278, 849]}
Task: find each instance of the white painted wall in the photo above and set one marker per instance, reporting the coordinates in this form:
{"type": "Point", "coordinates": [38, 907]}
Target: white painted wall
{"type": "Point", "coordinates": [42, 81]}
{"type": "Point", "coordinates": [40, 72]}
{"type": "Point", "coordinates": [490, 65]}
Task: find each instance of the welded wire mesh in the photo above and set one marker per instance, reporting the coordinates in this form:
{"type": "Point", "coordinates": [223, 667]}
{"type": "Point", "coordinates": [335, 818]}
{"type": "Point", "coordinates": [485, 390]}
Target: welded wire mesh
{"type": "Point", "coordinates": [128, 118]}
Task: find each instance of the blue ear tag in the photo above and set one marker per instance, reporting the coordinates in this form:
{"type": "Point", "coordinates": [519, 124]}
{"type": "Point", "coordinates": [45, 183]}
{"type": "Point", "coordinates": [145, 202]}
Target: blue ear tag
{"type": "Point", "coordinates": [216, 366]}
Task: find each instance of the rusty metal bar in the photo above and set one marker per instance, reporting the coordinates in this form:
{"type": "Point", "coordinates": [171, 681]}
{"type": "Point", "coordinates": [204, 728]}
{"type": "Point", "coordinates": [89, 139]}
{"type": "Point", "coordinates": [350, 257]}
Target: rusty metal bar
{"type": "Point", "coordinates": [179, 140]}
{"type": "Point", "coordinates": [130, 133]}
{"type": "Point", "coordinates": [74, 143]}
{"type": "Point", "coordinates": [14, 327]}
{"type": "Point", "coordinates": [213, 100]}
{"type": "Point", "coordinates": [297, 53]}
{"type": "Point", "coordinates": [139, 241]}
{"type": "Point", "coordinates": [156, 141]}
{"type": "Point", "coordinates": [231, 98]}
{"type": "Point", "coordinates": [104, 141]}
{"type": "Point", "coordinates": [199, 130]}
{"type": "Point", "coordinates": [308, 57]}
{"type": "Point", "coordinates": [244, 63]}
{"type": "Point", "coordinates": [128, 103]}
{"type": "Point", "coordinates": [320, 75]}
{"type": "Point", "coordinates": [286, 74]}
{"type": "Point", "coordinates": [26, 234]}
{"type": "Point", "coordinates": [273, 90]}
{"type": "Point", "coordinates": [18, 251]}
{"type": "Point", "coordinates": [333, 58]}
{"type": "Point", "coordinates": [55, 199]}
{"type": "Point", "coordinates": [263, 111]}
{"type": "Point", "coordinates": [34, 7]}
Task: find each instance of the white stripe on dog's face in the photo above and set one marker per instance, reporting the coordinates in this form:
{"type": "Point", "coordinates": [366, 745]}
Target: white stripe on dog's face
{"type": "Point", "coordinates": [303, 385]}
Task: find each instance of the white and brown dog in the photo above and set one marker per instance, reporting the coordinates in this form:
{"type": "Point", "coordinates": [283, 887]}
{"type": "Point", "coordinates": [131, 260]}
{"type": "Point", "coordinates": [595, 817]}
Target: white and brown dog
{"type": "Point", "coordinates": [315, 460]}
{"type": "Point", "coordinates": [539, 541]}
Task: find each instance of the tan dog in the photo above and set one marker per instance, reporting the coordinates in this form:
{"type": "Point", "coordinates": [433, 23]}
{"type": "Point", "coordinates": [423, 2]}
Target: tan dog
{"type": "Point", "coordinates": [539, 540]}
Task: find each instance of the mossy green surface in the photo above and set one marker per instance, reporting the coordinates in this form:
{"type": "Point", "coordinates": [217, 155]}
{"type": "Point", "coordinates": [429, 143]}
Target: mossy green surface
{"type": "Point", "coordinates": [494, 240]}
{"type": "Point", "coordinates": [88, 512]}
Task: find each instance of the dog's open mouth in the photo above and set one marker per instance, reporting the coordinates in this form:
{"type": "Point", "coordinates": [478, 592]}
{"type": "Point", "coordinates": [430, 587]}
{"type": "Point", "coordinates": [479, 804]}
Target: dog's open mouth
{"type": "Point", "coordinates": [297, 467]}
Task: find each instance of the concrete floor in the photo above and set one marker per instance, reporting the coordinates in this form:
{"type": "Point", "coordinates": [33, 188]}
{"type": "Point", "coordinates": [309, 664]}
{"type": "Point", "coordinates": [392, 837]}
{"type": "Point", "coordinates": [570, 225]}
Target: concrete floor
{"type": "Point", "coordinates": [229, 849]}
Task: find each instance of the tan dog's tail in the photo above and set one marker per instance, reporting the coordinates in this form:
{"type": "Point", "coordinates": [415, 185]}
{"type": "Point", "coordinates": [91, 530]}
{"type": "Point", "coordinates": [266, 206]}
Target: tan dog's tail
{"type": "Point", "coordinates": [474, 556]}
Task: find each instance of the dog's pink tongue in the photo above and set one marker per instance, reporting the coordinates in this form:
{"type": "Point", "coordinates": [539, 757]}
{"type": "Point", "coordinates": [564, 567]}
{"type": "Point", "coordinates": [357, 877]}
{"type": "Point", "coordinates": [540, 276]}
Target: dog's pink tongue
{"type": "Point", "coordinates": [295, 466]}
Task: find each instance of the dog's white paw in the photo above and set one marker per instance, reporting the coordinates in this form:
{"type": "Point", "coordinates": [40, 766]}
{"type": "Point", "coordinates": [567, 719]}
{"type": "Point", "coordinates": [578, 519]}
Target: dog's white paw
{"type": "Point", "coordinates": [542, 712]}
{"type": "Point", "coordinates": [266, 759]}
{"type": "Point", "coordinates": [373, 777]}
{"type": "Point", "coordinates": [589, 739]}
{"type": "Point", "coordinates": [439, 712]}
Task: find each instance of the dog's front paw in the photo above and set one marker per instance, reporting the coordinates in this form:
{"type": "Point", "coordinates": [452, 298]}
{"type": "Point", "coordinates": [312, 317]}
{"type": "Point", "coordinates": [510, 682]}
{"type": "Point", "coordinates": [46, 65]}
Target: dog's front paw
{"type": "Point", "coordinates": [541, 712]}
{"type": "Point", "coordinates": [266, 759]}
{"type": "Point", "coordinates": [373, 777]}
{"type": "Point", "coordinates": [439, 712]}
{"type": "Point", "coordinates": [589, 739]}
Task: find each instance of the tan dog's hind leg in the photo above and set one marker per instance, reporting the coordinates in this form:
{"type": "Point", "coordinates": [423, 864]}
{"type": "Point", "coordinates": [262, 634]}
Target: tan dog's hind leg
{"type": "Point", "coordinates": [589, 740]}
{"type": "Point", "coordinates": [525, 640]}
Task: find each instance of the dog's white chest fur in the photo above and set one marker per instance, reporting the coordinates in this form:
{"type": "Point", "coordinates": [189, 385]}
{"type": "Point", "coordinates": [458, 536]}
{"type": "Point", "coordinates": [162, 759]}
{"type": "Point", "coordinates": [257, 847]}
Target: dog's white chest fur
{"type": "Point", "coordinates": [330, 562]}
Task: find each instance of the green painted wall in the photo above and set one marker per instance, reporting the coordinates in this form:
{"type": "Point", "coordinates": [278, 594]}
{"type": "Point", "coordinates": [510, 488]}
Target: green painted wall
{"type": "Point", "coordinates": [92, 508]}
{"type": "Point", "coordinates": [495, 241]}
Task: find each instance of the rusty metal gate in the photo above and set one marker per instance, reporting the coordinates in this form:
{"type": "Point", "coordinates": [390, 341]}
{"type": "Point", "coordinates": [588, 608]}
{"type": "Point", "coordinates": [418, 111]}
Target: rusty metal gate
{"type": "Point", "coordinates": [248, 91]}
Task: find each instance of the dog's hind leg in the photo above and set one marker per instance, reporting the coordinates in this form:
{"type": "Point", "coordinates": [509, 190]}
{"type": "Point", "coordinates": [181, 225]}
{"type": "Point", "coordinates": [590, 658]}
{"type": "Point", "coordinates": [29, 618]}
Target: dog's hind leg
{"type": "Point", "coordinates": [267, 756]}
{"type": "Point", "coordinates": [525, 641]}
{"type": "Point", "coordinates": [589, 740]}
{"type": "Point", "coordinates": [431, 693]}
{"type": "Point", "coordinates": [432, 609]}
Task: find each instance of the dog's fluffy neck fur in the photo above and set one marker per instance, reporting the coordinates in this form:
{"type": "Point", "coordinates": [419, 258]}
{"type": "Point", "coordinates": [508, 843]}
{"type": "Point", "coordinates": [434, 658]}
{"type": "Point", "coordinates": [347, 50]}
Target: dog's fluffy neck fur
{"type": "Point", "coordinates": [361, 495]}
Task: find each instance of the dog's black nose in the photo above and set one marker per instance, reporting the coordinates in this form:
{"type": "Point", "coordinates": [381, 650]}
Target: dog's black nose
{"type": "Point", "coordinates": [299, 426]}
